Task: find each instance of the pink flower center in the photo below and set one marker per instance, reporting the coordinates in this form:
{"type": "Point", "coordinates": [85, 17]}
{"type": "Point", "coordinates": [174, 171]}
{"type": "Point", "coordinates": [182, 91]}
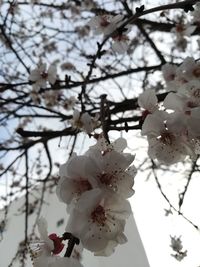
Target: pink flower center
{"type": "Point", "coordinates": [196, 72]}
{"type": "Point", "coordinates": [106, 178]}
{"type": "Point", "coordinates": [44, 75]}
{"type": "Point", "coordinates": [167, 138]}
{"type": "Point", "coordinates": [196, 93]}
{"type": "Point", "coordinates": [180, 28]}
{"type": "Point", "coordinates": [188, 112]}
{"type": "Point", "coordinates": [98, 215]}
{"type": "Point", "coordinates": [120, 38]}
{"type": "Point", "coordinates": [104, 23]}
{"type": "Point", "coordinates": [82, 186]}
{"type": "Point", "coordinates": [171, 77]}
{"type": "Point", "coordinates": [145, 113]}
{"type": "Point", "coordinates": [191, 104]}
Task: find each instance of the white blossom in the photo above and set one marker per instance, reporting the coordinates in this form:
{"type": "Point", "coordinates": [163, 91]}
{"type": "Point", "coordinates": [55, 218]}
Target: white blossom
{"type": "Point", "coordinates": [121, 41]}
{"type": "Point", "coordinates": [75, 181]}
{"type": "Point", "coordinates": [105, 24]}
{"type": "Point", "coordinates": [189, 69]}
{"type": "Point", "coordinates": [182, 32]}
{"type": "Point", "coordinates": [112, 173]}
{"type": "Point", "coordinates": [165, 145]}
{"type": "Point", "coordinates": [170, 75]}
{"type": "Point", "coordinates": [106, 169]}
{"type": "Point", "coordinates": [82, 121]}
{"type": "Point", "coordinates": [40, 76]}
{"type": "Point", "coordinates": [102, 216]}
{"type": "Point", "coordinates": [185, 119]}
{"type": "Point", "coordinates": [70, 103]}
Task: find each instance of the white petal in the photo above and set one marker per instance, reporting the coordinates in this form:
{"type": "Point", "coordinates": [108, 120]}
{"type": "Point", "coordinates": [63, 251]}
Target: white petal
{"type": "Point", "coordinates": [87, 122]}
{"type": "Point", "coordinates": [148, 100]}
{"type": "Point", "coordinates": [34, 75]}
{"type": "Point", "coordinates": [154, 124]}
{"type": "Point", "coordinates": [120, 144]}
{"type": "Point", "coordinates": [42, 228]}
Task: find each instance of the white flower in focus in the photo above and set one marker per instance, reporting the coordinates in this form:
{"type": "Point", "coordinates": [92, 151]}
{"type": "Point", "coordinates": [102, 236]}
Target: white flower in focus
{"type": "Point", "coordinates": [75, 181]}
{"type": "Point", "coordinates": [82, 121]}
{"type": "Point", "coordinates": [102, 216]}
{"type": "Point", "coordinates": [112, 172]}
{"type": "Point", "coordinates": [111, 169]}
{"type": "Point", "coordinates": [164, 144]}
{"type": "Point", "coordinates": [106, 169]}
{"type": "Point", "coordinates": [40, 76]}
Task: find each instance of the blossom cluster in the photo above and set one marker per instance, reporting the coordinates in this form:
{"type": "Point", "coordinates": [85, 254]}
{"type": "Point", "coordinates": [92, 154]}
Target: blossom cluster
{"type": "Point", "coordinates": [107, 25]}
{"type": "Point", "coordinates": [173, 130]}
{"type": "Point", "coordinates": [183, 30]}
{"type": "Point", "coordinates": [95, 186]}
